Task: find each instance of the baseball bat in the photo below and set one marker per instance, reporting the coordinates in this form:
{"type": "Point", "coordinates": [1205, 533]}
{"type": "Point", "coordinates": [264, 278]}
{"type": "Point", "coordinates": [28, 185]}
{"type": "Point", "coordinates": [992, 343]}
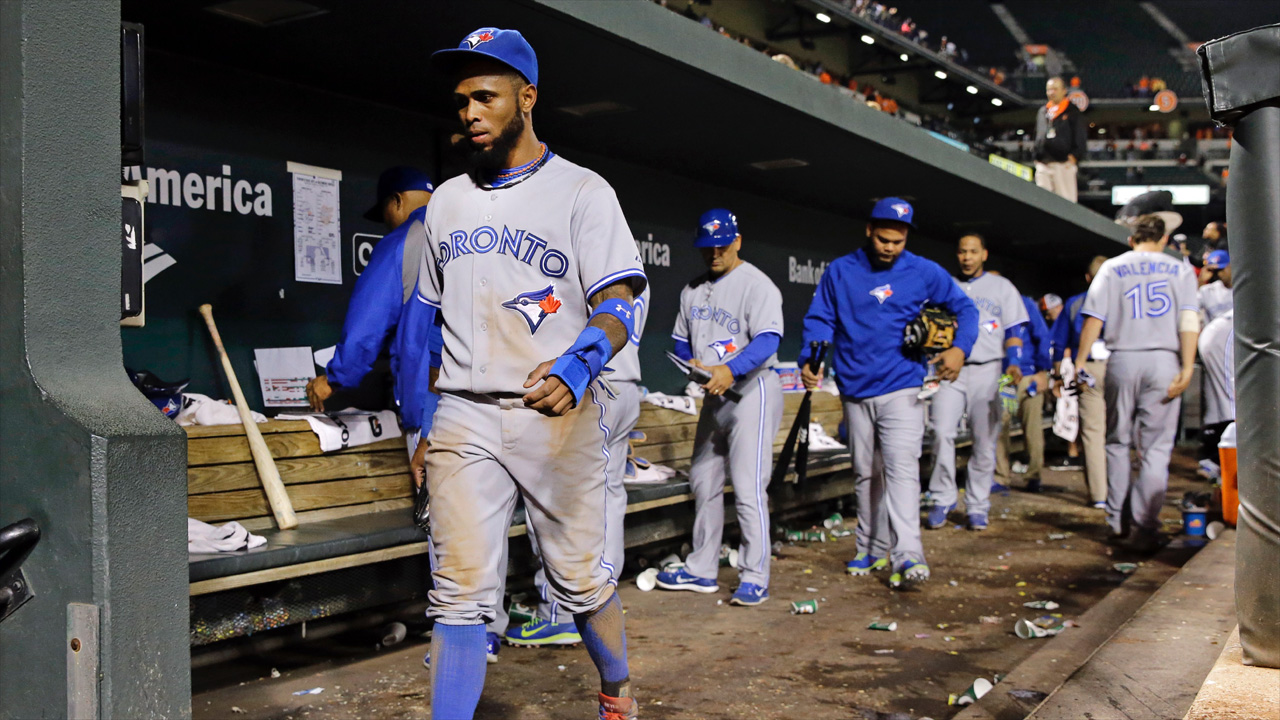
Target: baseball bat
{"type": "Point", "coordinates": [818, 353]}
{"type": "Point", "coordinates": [281, 507]}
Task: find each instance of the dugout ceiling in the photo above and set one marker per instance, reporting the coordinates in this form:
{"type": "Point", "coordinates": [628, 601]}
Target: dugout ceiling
{"type": "Point", "coordinates": [635, 82]}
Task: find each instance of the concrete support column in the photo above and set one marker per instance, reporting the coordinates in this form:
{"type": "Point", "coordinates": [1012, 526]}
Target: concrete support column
{"type": "Point", "coordinates": [1243, 89]}
{"type": "Point", "coordinates": [81, 452]}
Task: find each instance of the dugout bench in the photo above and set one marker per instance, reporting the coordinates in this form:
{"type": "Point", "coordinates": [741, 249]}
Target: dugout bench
{"type": "Point", "coordinates": [356, 547]}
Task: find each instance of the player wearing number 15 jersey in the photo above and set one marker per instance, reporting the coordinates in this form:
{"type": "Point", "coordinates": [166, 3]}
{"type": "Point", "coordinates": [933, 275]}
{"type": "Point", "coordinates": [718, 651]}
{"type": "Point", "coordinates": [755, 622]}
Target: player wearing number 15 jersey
{"type": "Point", "coordinates": [1148, 304]}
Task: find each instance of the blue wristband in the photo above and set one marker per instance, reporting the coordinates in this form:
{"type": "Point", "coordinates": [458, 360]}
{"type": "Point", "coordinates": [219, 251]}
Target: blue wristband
{"type": "Point", "coordinates": [1013, 356]}
{"type": "Point", "coordinates": [621, 309]}
{"type": "Point", "coordinates": [582, 362]}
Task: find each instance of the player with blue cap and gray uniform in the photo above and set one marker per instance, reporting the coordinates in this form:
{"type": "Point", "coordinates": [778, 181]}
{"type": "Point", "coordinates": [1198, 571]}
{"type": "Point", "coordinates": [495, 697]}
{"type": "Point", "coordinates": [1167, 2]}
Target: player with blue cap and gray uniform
{"type": "Point", "coordinates": [730, 323]}
{"type": "Point", "coordinates": [534, 272]}
{"type": "Point", "coordinates": [1215, 294]}
{"type": "Point", "coordinates": [1147, 302]}
{"type": "Point", "coordinates": [997, 350]}
{"type": "Point", "coordinates": [862, 306]}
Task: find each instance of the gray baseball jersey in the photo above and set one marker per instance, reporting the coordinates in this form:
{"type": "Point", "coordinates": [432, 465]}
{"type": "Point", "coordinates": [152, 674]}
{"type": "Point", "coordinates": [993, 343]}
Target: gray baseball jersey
{"type": "Point", "coordinates": [1139, 296]}
{"type": "Point", "coordinates": [718, 318]}
{"type": "Point", "coordinates": [1215, 299]}
{"type": "Point", "coordinates": [999, 308]}
{"type": "Point", "coordinates": [511, 270]}
{"type": "Point", "coordinates": [1217, 355]}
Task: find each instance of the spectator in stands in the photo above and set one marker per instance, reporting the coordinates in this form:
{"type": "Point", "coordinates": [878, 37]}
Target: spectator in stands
{"type": "Point", "coordinates": [1075, 82]}
{"type": "Point", "coordinates": [1144, 86]}
{"type": "Point", "coordinates": [1060, 141]}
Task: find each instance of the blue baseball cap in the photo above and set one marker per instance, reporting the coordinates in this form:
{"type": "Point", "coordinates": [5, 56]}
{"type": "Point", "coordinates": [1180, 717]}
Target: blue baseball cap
{"type": "Point", "coordinates": [1217, 260]}
{"type": "Point", "coordinates": [716, 228]}
{"type": "Point", "coordinates": [894, 209]}
{"type": "Point", "coordinates": [506, 46]}
{"type": "Point", "coordinates": [397, 180]}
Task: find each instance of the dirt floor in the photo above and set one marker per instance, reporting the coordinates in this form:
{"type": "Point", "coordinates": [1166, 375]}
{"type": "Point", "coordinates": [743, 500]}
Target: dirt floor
{"type": "Point", "coordinates": [694, 656]}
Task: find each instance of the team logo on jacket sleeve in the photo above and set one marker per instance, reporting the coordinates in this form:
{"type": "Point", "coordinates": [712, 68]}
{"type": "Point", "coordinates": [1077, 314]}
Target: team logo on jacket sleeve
{"type": "Point", "coordinates": [724, 347]}
{"type": "Point", "coordinates": [991, 325]}
{"type": "Point", "coordinates": [882, 293]}
{"type": "Point", "coordinates": [535, 306]}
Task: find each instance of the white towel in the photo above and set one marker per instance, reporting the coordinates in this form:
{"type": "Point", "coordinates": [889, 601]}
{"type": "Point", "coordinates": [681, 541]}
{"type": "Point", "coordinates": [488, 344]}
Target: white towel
{"type": "Point", "coordinates": [203, 538]}
{"type": "Point", "coordinates": [1066, 414]}
{"type": "Point", "coordinates": [349, 428]}
{"type": "Point", "coordinates": [200, 409]}
{"type": "Point", "coordinates": [820, 440]}
{"type": "Point", "coordinates": [679, 403]}
{"type": "Point", "coordinates": [647, 474]}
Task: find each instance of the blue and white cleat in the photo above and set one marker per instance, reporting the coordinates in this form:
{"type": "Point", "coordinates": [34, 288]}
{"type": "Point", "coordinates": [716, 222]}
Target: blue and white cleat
{"type": "Point", "coordinates": [538, 632]}
{"type": "Point", "coordinates": [680, 579]}
{"type": "Point", "coordinates": [864, 564]}
{"type": "Point", "coordinates": [749, 594]}
{"type": "Point", "coordinates": [910, 574]}
{"type": "Point", "coordinates": [492, 644]}
{"type": "Point", "coordinates": [938, 515]}
{"type": "Point", "coordinates": [977, 521]}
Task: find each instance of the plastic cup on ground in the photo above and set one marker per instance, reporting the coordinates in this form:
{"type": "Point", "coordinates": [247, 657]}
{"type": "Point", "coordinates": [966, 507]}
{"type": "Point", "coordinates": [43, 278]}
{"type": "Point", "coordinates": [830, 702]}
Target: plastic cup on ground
{"type": "Point", "coordinates": [647, 580]}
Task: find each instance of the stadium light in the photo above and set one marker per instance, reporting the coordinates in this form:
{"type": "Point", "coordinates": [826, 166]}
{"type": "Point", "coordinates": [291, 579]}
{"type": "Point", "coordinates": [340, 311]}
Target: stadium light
{"type": "Point", "coordinates": [997, 102]}
{"type": "Point", "coordinates": [868, 40]}
{"type": "Point", "coordinates": [904, 57]}
{"type": "Point", "coordinates": [1154, 108]}
{"type": "Point", "coordinates": [939, 74]}
{"type": "Point", "coordinates": [823, 17]}
{"type": "Point", "coordinates": [971, 90]}
{"type": "Point", "coordinates": [1102, 131]}
{"type": "Point", "coordinates": [1021, 131]}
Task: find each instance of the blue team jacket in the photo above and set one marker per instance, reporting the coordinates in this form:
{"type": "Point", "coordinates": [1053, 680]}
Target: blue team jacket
{"type": "Point", "coordinates": [1036, 340]}
{"type": "Point", "coordinates": [862, 310]}
{"type": "Point", "coordinates": [377, 311]}
{"type": "Point", "coordinates": [1066, 329]}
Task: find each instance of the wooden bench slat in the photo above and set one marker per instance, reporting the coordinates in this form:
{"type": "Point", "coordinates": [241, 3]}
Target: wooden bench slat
{"type": "Point", "coordinates": [294, 471]}
{"type": "Point", "coordinates": [270, 426]}
{"type": "Point", "coordinates": [230, 449]}
{"type": "Point", "coordinates": [251, 503]}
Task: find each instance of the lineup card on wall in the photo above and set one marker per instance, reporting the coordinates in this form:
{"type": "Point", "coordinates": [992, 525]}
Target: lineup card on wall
{"type": "Point", "coordinates": [317, 255]}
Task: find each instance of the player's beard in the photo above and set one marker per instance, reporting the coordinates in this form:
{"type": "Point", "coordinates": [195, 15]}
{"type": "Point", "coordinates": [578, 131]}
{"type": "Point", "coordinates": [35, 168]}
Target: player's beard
{"type": "Point", "coordinates": [486, 162]}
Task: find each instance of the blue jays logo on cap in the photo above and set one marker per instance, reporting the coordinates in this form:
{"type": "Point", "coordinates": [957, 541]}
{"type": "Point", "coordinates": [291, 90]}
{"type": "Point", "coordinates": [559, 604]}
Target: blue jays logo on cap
{"type": "Point", "coordinates": [896, 209]}
{"type": "Point", "coordinates": [716, 228]}
{"type": "Point", "coordinates": [478, 37]}
{"type": "Point", "coordinates": [882, 293]}
{"type": "Point", "coordinates": [535, 306]}
{"type": "Point", "coordinates": [724, 347]}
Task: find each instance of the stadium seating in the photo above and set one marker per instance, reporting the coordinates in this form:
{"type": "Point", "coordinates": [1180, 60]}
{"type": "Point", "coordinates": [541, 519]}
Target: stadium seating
{"type": "Point", "coordinates": [1203, 21]}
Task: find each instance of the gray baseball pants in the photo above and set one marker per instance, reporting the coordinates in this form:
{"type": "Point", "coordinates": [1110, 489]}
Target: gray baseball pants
{"type": "Point", "coordinates": [621, 415]}
{"type": "Point", "coordinates": [501, 619]}
{"type": "Point", "coordinates": [976, 391]}
{"type": "Point", "coordinates": [485, 452]}
{"type": "Point", "coordinates": [885, 435]}
{"type": "Point", "coordinates": [1138, 416]}
{"type": "Point", "coordinates": [737, 439]}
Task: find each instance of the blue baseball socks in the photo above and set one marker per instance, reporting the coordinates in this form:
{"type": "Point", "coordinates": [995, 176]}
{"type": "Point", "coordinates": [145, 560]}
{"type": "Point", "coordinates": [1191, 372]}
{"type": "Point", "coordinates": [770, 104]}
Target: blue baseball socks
{"type": "Point", "coordinates": [458, 665]}
{"type": "Point", "coordinates": [605, 635]}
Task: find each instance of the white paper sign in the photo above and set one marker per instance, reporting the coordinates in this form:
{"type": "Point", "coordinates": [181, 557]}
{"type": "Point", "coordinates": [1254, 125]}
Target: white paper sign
{"type": "Point", "coordinates": [283, 374]}
{"type": "Point", "coordinates": [317, 254]}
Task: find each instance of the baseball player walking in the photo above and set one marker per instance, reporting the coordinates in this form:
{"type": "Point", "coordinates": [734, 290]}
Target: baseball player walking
{"type": "Point", "coordinates": [1215, 295]}
{"type": "Point", "coordinates": [1093, 405]}
{"type": "Point", "coordinates": [730, 323]}
{"type": "Point", "coordinates": [527, 257]}
{"type": "Point", "coordinates": [1217, 357]}
{"type": "Point", "coordinates": [862, 306]}
{"type": "Point", "coordinates": [1148, 304]}
{"type": "Point", "coordinates": [977, 391]}
{"type": "Point", "coordinates": [1034, 385]}
{"type": "Point", "coordinates": [549, 626]}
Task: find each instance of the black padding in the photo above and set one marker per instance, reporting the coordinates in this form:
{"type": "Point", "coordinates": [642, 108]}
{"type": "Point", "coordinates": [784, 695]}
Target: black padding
{"type": "Point", "coordinates": [1238, 73]}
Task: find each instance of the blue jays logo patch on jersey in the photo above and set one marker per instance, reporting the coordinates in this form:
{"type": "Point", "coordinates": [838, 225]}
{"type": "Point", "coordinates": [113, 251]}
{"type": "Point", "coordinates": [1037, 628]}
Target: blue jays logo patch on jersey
{"type": "Point", "coordinates": [535, 306]}
{"type": "Point", "coordinates": [724, 347]}
{"type": "Point", "coordinates": [990, 325]}
{"type": "Point", "coordinates": [482, 36]}
{"type": "Point", "coordinates": [882, 293]}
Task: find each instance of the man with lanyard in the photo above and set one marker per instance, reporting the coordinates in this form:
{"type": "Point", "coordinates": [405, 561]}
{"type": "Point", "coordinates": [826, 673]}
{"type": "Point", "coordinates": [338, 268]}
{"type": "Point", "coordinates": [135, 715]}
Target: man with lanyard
{"type": "Point", "coordinates": [1093, 404]}
{"type": "Point", "coordinates": [1060, 141]}
{"type": "Point", "coordinates": [862, 305]}
{"type": "Point", "coordinates": [977, 389]}
{"type": "Point", "coordinates": [1036, 364]}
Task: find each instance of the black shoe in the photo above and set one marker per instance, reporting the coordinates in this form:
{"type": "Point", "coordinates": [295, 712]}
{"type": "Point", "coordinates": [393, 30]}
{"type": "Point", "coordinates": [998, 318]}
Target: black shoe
{"type": "Point", "coordinates": [1032, 486]}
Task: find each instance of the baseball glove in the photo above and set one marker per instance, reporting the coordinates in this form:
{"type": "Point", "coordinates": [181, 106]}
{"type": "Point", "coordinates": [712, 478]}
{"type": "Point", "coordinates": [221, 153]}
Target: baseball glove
{"type": "Point", "coordinates": [933, 331]}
